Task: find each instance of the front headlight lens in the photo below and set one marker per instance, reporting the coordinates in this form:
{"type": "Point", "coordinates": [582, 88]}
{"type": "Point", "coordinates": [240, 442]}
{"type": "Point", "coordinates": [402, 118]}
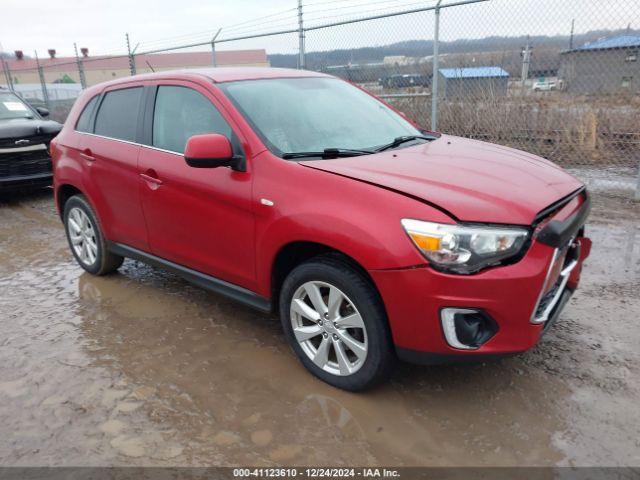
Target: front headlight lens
{"type": "Point", "coordinates": [465, 248]}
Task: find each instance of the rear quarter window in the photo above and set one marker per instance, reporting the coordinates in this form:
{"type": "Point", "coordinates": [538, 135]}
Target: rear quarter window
{"type": "Point", "coordinates": [84, 121]}
{"type": "Point", "coordinates": [118, 114]}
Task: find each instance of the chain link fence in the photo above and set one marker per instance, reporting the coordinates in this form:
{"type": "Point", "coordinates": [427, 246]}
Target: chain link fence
{"type": "Point", "coordinates": [557, 79]}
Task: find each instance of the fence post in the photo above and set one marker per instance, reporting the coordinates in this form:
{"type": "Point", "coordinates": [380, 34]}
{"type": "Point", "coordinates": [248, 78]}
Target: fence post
{"type": "Point", "coordinates": [638, 184]}
{"type": "Point", "coordinates": [526, 61]}
{"type": "Point", "coordinates": [7, 74]}
{"type": "Point", "coordinates": [83, 80]}
{"type": "Point", "coordinates": [43, 83]}
{"type": "Point", "coordinates": [213, 48]}
{"type": "Point", "coordinates": [301, 62]}
{"type": "Point", "coordinates": [132, 58]}
{"type": "Point", "coordinates": [434, 76]}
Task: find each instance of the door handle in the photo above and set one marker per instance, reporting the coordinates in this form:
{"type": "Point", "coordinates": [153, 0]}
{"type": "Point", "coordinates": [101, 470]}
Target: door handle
{"type": "Point", "coordinates": [86, 154]}
{"type": "Point", "coordinates": [150, 179]}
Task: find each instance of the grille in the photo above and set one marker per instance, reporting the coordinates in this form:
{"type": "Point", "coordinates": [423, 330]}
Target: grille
{"type": "Point", "coordinates": [33, 140]}
{"type": "Point", "coordinates": [568, 254]}
{"type": "Point", "coordinates": [24, 163]}
{"type": "Point", "coordinates": [548, 298]}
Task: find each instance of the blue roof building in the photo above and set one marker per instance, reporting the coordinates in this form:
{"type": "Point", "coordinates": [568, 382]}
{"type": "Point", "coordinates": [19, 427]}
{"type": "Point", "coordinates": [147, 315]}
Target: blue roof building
{"type": "Point", "coordinates": [473, 72]}
{"type": "Point", "coordinates": [622, 41]}
{"type": "Point", "coordinates": [472, 82]}
{"type": "Point", "coordinates": [608, 65]}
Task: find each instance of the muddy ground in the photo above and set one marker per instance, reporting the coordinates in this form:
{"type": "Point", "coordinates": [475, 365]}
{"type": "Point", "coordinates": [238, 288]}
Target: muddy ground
{"type": "Point", "coordinates": [141, 368]}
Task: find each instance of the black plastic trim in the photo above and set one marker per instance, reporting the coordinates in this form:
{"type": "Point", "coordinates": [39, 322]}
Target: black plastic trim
{"type": "Point", "coordinates": [203, 280]}
{"type": "Point", "coordinates": [427, 358]}
{"type": "Point", "coordinates": [557, 205]}
{"type": "Point", "coordinates": [555, 313]}
{"type": "Point", "coordinates": [490, 320]}
{"type": "Point", "coordinates": [18, 182]}
{"type": "Point", "coordinates": [146, 133]}
{"type": "Point", "coordinates": [558, 232]}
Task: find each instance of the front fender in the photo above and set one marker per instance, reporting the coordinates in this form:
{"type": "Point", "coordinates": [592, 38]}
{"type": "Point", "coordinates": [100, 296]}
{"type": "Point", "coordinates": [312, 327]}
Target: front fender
{"type": "Point", "coordinates": [357, 219]}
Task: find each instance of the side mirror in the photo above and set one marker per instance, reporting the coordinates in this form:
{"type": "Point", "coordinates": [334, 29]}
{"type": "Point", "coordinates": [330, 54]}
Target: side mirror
{"type": "Point", "coordinates": [44, 112]}
{"type": "Point", "coordinates": [210, 150]}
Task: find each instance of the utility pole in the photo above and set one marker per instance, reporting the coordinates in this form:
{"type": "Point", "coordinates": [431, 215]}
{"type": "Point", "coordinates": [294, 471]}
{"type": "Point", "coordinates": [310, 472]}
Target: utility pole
{"type": "Point", "coordinates": [573, 24]}
{"type": "Point", "coordinates": [434, 75]}
{"type": "Point", "coordinates": [43, 84]}
{"type": "Point", "coordinates": [638, 184]}
{"type": "Point", "coordinates": [526, 60]}
{"type": "Point", "coordinates": [301, 62]}
{"type": "Point", "coordinates": [132, 58]}
{"type": "Point", "coordinates": [83, 80]}
{"type": "Point", "coordinates": [213, 48]}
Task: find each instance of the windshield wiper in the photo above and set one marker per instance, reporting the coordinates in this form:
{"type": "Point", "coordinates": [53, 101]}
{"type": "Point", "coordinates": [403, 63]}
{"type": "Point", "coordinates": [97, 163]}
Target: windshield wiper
{"type": "Point", "coordinates": [400, 140]}
{"type": "Point", "coordinates": [328, 153]}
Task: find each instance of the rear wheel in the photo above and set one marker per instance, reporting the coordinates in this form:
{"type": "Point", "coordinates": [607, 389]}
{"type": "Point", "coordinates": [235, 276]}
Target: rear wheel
{"type": "Point", "coordinates": [336, 324]}
{"type": "Point", "coordinates": [85, 238]}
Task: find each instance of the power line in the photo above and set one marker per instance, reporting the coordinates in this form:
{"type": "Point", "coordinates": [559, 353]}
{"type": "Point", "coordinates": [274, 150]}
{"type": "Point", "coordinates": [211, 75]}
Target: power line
{"type": "Point", "coordinates": [261, 18]}
{"type": "Point", "coordinates": [349, 7]}
{"type": "Point", "coordinates": [208, 34]}
{"type": "Point", "coordinates": [384, 10]}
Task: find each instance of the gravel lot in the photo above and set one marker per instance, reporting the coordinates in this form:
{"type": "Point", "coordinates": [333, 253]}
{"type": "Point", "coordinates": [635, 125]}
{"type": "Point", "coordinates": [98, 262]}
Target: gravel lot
{"type": "Point", "coordinates": [140, 368]}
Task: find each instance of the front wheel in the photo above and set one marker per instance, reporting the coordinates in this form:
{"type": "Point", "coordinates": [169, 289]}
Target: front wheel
{"type": "Point", "coordinates": [336, 324]}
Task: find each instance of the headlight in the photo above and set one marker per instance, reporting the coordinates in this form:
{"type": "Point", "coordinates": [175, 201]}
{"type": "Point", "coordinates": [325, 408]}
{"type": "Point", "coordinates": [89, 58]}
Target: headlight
{"type": "Point", "coordinates": [464, 248]}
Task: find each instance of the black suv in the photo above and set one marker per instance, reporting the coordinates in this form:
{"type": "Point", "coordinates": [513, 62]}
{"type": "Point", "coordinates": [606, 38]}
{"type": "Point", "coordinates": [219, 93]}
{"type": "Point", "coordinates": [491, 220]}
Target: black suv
{"type": "Point", "coordinates": [24, 144]}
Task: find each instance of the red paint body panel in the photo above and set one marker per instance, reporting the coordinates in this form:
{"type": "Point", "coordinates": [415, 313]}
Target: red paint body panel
{"type": "Point", "coordinates": [232, 224]}
{"type": "Point", "coordinates": [207, 146]}
{"type": "Point", "coordinates": [506, 293]}
{"type": "Point", "coordinates": [475, 181]}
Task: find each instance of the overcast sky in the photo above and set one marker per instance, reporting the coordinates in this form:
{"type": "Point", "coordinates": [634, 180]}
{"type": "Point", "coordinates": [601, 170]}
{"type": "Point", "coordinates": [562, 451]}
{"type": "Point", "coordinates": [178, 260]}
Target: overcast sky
{"type": "Point", "coordinates": [101, 25]}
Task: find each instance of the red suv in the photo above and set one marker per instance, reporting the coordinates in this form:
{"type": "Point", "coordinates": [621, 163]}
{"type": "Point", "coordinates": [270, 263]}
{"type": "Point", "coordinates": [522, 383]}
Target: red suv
{"type": "Point", "coordinates": [296, 192]}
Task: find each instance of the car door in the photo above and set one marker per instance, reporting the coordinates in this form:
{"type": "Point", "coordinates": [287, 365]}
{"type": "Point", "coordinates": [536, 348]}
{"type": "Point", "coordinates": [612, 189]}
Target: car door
{"type": "Point", "coordinates": [200, 218]}
{"type": "Point", "coordinates": [110, 153]}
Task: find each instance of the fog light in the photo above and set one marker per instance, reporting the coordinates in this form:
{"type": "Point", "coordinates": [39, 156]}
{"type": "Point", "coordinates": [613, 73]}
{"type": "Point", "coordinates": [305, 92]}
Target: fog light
{"type": "Point", "coordinates": [467, 329]}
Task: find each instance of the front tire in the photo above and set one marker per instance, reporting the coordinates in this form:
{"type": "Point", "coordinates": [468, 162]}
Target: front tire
{"type": "Point", "coordinates": [85, 238]}
{"type": "Point", "coordinates": [336, 324]}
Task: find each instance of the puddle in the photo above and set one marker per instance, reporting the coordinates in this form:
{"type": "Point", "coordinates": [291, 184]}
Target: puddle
{"type": "Point", "coordinates": [141, 368]}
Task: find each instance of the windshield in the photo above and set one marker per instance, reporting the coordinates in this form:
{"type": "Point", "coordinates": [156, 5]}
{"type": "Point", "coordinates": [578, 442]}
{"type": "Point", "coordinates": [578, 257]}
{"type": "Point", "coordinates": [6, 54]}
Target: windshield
{"type": "Point", "coordinates": [313, 114]}
{"type": "Point", "coordinates": [11, 106]}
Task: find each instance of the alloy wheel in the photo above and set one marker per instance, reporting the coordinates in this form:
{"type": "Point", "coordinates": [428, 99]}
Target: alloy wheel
{"type": "Point", "coordinates": [329, 328]}
{"type": "Point", "coordinates": [82, 236]}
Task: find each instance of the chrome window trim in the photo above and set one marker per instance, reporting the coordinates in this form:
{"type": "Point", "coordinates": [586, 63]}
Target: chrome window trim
{"type": "Point", "coordinates": [108, 138]}
{"type": "Point", "coordinates": [161, 150]}
{"type": "Point", "coordinates": [131, 143]}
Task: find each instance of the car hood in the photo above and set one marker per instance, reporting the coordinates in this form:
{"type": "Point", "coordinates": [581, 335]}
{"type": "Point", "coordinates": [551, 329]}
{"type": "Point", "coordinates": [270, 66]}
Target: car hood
{"type": "Point", "coordinates": [17, 128]}
{"type": "Point", "coordinates": [473, 181]}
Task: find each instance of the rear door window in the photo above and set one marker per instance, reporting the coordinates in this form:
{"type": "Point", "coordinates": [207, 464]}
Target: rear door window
{"type": "Point", "coordinates": [118, 114]}
{"type": "Point", "coordinates": [182, 112]}
{"type": "Point", "coordinates": [84, 122]}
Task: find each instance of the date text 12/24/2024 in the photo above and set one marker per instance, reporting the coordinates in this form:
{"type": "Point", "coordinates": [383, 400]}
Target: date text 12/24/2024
{"type": "Point", "coordinates": [315, 473]}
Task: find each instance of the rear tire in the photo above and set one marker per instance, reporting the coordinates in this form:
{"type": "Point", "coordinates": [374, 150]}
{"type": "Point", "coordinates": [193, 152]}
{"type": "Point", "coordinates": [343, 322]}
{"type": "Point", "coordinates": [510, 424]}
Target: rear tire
{"type": "Point", "coordinates": [85, 238]}
{"type": "Point", "coordinates": [336, 324]}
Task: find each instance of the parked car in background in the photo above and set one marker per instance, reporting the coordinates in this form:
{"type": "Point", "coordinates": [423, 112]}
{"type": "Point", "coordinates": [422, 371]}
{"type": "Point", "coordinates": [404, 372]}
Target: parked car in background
{"type": "Point", "coordinates": [544, 85]}
{"type": "Point", "coordinates": [405, 80]}
{"type": "Point", "coordinates": [24, 144]}
{"type": "Point", "coordinates": [298, 193]}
